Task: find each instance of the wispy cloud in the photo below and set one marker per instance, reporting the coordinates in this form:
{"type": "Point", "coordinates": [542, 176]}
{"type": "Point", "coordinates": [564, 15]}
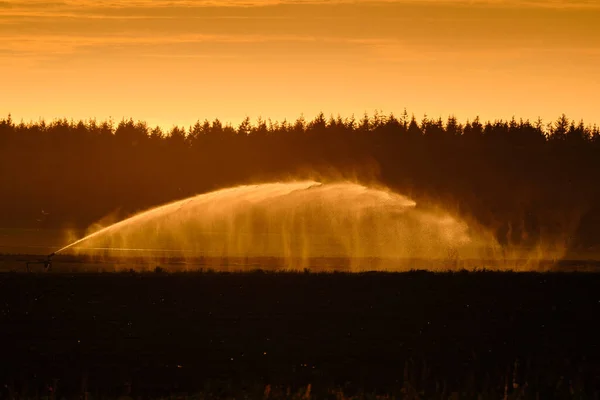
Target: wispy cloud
{"type": "Point", "coordinates": [8, 6]}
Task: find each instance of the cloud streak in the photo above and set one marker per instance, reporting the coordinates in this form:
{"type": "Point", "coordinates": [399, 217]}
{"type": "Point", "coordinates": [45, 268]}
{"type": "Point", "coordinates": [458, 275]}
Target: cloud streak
{"type": "Point", "coordinates": [84, 7]}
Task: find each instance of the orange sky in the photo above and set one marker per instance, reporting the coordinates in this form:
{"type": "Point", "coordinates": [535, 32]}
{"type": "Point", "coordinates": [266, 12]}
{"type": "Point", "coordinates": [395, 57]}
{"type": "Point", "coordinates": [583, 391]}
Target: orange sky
{"type": "Point", "coordinates": [173, 62]}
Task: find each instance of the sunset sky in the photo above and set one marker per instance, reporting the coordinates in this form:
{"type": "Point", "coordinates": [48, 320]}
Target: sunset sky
{"type": "Point", "coordinates": [174, 62]}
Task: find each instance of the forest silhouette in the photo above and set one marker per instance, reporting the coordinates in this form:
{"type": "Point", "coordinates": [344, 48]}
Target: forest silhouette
{"type": "Point", "coordinates": [528, 182]}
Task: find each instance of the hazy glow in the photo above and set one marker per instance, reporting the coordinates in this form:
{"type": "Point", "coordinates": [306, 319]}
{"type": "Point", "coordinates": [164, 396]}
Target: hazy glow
{"type": "Point", "coordinates": [172, 62]}
{"type": "Point", "coordinates": [297, 222]}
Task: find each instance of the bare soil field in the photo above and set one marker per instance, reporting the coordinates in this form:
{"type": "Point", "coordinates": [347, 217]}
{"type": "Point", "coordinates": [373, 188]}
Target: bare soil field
{"type": "Point", "coordinates": [234, 333]}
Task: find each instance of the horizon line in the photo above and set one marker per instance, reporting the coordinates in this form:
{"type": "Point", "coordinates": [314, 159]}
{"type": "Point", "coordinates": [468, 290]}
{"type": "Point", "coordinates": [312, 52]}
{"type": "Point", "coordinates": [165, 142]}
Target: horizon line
{"type": "Point", "coordinates": [384, 116]}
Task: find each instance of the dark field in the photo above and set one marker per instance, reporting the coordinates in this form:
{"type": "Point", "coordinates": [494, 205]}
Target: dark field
{"type": "Point", "coordinates": [485, 333]}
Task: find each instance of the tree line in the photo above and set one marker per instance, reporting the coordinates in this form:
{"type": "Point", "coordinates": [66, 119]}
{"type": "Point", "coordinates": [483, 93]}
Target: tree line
{"type": "Point", "coordinates": [526, 181]}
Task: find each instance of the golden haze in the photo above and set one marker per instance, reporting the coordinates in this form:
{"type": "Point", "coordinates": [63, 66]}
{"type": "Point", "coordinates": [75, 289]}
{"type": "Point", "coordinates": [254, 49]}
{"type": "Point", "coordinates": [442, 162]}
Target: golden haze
{"type": "Point", "coordinates": [302, 224]}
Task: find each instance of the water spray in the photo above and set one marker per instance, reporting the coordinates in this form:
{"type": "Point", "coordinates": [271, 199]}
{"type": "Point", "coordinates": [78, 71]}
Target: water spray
{"type": "Point", "coordinates": [295, 222]}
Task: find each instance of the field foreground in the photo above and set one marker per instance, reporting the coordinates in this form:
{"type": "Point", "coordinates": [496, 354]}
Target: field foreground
{"type": "Point", "coordinates": [257, 335]}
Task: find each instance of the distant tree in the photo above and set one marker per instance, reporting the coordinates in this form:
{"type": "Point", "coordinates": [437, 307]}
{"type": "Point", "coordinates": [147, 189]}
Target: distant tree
{"type": "Point", "coordinates": [261, 129]}
{"type": "Point", "coordinates": [595, 134]}
{"type": "Point", "coordinates": [560, 128]}
{"type": "Point", "coordinates": [453, 128]}
{"type": "Point", "coordinates": [577, 134]}
{"type": "Point", "coordinates": [318, 124]}
{"type": "Point", "coordinates": [177, 137]}
{"type": "Point", "coordinates": [245, 127]}
{"type": "Point", "coordinates": [156, 134]}
{"type": "Point", "coordinates": [473, 131]}
{"type": "Point", "coordinates": [414, 130]}
{"type": "Point", "coordinates": [365, 124]}
{"type": "Point", "coordinates": [300, 125]}
{"type": "Point", "coordinates": [129, 133]}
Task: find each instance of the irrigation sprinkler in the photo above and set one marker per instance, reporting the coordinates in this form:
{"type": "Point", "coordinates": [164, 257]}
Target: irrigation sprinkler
{"type": "Point", "coordinates": [47, 262]}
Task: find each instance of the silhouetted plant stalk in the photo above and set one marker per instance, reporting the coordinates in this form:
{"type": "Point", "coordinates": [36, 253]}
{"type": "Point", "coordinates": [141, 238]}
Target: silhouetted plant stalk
{"type": "Point", "coordinates": [416, 385]}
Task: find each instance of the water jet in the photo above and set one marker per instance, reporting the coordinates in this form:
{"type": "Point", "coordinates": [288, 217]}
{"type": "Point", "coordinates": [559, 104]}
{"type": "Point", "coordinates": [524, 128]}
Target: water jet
{"type": "Point", "coordinates": [298, 223]}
